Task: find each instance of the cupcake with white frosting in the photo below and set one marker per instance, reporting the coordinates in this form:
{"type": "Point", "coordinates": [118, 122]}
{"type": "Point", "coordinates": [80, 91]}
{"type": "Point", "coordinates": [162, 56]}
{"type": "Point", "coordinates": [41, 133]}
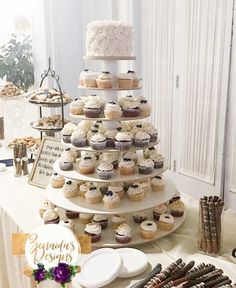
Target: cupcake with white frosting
{"type": "Point", "coordinates": [148, 229]}
{"type": "Point", "coordinates": [86, 165]}
{"type": "Point", "coordinates": [92, 108]}
{"type": "Point", "coordinates": [78, 138]}
{"type": "Point", "coordinates": [158, 160]}
{"type": "Point", "coordinates": [111, 158]}
{"type": "Point", "coordinates": [147, 152]}
{"type": "Point", "coordinates": [123, 233]}
{"type": "Point", "coordinates": [125, 80]}
{"type": "Point", "coordinates": [89, 79]}
{"type": "Point", "coordinates": [111, 200]}
{"type": "Point", "coordinates": [45, 206]}
{"type": "Point", "coordinates": [166, 222]}
{"type": "Point", "coordinates": [110, 135]}
{"type": "Point", "coordinates": [122, 99]}
{"type": "Point", "coordinates": [135, 78]}
{"type": "Point", "coordinates": [67, 131]}
{"type": "Point", "coordinates": [94, 231]}
{"type": "Point", "coordinates": [112, 110]}
{"type": "Point", "coordinates": [83, 188]}
{"type": "Point", "coordinates": [104, 80]}
{"type": "Point", "coordinates": [152, 131]}
{"type": "Point", "coordinates": [70, 189]}
{"type": "Point", "coordinates": [135, 193]}
{"type": "Point", "coordinates": [144, 185]}
{"type": "Point", "coordinates": [159, 210]}
{"type": "Point", "coordinates": [127, 166]}
{"type": "Point", "coordinates": [117, 220]}
{"type": "Point", "coordinates": [117, 188]}
{"type": "Point", "coordinates": [144, 108]}
{"type": "Point", "coordinates": [105, 170]}
{"type": "Point", "coordinates": [57, 180]}
{"type": "Point", "coordinates": [140, 216]}
{"type": "Point", "coordinates": [123, 141]}
{"type": "Point", "coordinates": [132, 155]}
{"type": "Point", "coordinates": [141, 139]}
{"type": "Point", "coordinates": [101, 220]}
{"type": "Point", "coordinates": [81, 76]}
{"type": "Point", "coordinates": [76, 106]}
{"type": "Point", "coordinates": [67, 160]}
{"type": "Point", "coordinates": [50, 216]}
{"type": "Point", "coordinates": [158, 184]}
{"type": "Point", "coordinates": [98, 141]}
{"type": "Point", "coordinates": [131, 109]}
{"type": "Point", "coordinates": [145, 166]}
{"type": "Point", "coordinates": [93, 195]}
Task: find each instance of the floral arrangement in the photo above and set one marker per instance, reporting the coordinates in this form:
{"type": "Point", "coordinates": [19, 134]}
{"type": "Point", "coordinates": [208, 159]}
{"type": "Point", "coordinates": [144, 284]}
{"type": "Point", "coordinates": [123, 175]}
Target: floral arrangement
{"type": "Point", "coordinates": [62, 273]}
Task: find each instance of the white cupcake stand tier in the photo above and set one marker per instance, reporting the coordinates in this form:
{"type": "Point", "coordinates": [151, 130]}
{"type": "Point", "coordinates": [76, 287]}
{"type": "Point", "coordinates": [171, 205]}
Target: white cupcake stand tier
{"type": "Point", "coordinates": [126, 207]}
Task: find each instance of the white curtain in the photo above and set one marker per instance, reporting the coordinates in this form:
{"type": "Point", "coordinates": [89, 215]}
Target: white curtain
{"type": "Point", "coordinates": [157, 63]}
{"type": "Point", "coordinates": [202, 77]}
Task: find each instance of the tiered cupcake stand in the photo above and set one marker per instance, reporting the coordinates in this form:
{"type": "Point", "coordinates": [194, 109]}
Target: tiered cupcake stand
{"type": "Point", "coordinates": [126, 207]}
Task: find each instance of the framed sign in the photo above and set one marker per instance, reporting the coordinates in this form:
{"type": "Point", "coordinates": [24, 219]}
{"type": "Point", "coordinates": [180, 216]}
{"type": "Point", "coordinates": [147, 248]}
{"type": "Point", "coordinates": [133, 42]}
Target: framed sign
{"type": "Point", "coordinates": [49, 151]}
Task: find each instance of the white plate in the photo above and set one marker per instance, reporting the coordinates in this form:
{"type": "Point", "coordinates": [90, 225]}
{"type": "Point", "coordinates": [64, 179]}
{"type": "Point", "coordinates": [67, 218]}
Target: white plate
{"type": "Point", "coordinates": [100, 268]}
{"type": "Point", "coordinates": [79, 204]}
{"type": "Point", "coordinates": [134, 262]}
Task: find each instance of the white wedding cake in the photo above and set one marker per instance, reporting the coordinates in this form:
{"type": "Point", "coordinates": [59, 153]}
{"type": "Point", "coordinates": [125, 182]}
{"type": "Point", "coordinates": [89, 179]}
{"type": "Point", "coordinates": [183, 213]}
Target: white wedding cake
{"type": "Point", "coordinates": [109, 38]}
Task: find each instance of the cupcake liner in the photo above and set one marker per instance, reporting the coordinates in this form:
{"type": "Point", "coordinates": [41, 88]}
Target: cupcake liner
{"type": "Point", "coordinates": [122, 238]}
{"type": "Point", "coordinates": [145, 170]}
{"type": "Point", "coordinates": [111, 204]}
{"type": "Point", "coordinates": [139, 219]}
{"type": "Point", "coordinates": [79, 142]}
{"type": "Point", "coordinates": [65, 166]}
{"type": "Point", "coordinates": [90, 82]}
{"type": "Point", "coordinates": [66, 138]}
{"type": "Point", "coordinates": [125, 83]}
{"type": "Point", "coordinates": [110, 143]}
{"type": "Point", "coordinates": [140, 143]}
{"type": "Point", "coordinates": [158, 164]}
{"type": "Point", "coordinates": [156, 216]}
{"type": "Point", "coordinates": [176, 213]}
{"type": "Point", "coordinates": [153, 138]}
{"type": "Point", "coordinates": [130, 112]}
{"type": "Point", "coordinates": [98, 145]}
{"type": "Point", "coordinates": [104, 84]}
{"type": "Point", "coordinates": [122, 145]}
{"type": "Point", "coordinates": [105, 175]}
{"type": "Point", "coordinates": [91, 113]}
{"type": "Point", "coordinates": [54, 221]}
{"type": "Point", "coordinates": [72, 214]}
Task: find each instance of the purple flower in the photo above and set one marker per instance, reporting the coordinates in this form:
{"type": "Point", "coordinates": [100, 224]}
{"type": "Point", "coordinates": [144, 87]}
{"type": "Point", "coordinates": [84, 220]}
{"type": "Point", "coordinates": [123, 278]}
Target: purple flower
{"type": "Point", "coordinates": [62, 273]}
{"type": "Point", "coordinates": [39, 274]}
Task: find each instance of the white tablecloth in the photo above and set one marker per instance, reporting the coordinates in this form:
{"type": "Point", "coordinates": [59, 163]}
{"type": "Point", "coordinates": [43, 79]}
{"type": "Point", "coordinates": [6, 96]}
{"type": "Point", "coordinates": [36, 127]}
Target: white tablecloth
{"type": "Point", "coordinates": [19, 204]}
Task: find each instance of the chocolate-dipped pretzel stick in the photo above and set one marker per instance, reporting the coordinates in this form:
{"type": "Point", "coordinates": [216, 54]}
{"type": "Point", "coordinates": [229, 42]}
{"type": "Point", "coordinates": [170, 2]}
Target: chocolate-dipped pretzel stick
{"type": "Point", "coordinates": [212, 214]}
{"type": "Point", "coordinates": [197, 268]}
{"type": "Point", "coordinates": [178, 274]}
{"type": "Point", "coordinates": [156, 270]}
{"type": "Point", "coordinates": [225, 282]}
{"type": "Point", "coordinates": [195, 275]}
{"type": "Point", "coordinates": [171, 276]}
{"type": "Point", "coordinates": [206, 220]}
{"type": "Point", "coordinates": [203, 278]}
{"type": "Point", "coordinates": [163, 275]}
{"type": "Point", "coordinates": [216, 281]}
{"type": "Point", "coordinates": [202, 239]}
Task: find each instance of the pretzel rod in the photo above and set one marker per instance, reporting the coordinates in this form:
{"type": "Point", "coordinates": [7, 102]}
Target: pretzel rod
{"type": "Point", "coordinates": [155, 271]}
{"type": "Point", "coordinates": [216, 281]}
{"type": "Point", "coordinates": [194, 275]}
{"type": "Point", "coordinates": [219, 208]}
{"type": "Point", "coordinates": [163, 275]}
{"type": "Point", "coordinates": [203, 278]}
{"type": "Point", "coordinates": [179, 274]}
{"type": "Point", "coordinates": [212, 214]}
{"type": "Point", "coordinates": [202, 239]}
{"type": "Point", "coordinates": [200, 285]}
{"type": "Point", "coordinates": [197, 268]}
{"type": "Point", "coordinates": [225, 282]}
{"type": "Point", "coordinates": [206, 220]}
{"type": "Point", "coordinates": [168, 279]}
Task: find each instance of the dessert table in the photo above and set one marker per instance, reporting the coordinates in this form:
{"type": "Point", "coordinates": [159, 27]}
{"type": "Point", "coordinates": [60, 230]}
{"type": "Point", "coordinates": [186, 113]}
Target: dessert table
{"type": "Point", "coordinates": [19, 203]}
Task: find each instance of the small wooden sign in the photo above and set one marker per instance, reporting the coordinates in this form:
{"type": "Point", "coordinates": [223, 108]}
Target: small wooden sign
{"type": "Point", "coordinates": [49, 151]}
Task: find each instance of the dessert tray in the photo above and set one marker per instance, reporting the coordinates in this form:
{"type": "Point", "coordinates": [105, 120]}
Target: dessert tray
{"type": "Point", "coordinates": [79, 204]}
{"type": "Point", "coordinates": [74, 174]}
{"type": "Point", "coordinates": [46, 104]}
